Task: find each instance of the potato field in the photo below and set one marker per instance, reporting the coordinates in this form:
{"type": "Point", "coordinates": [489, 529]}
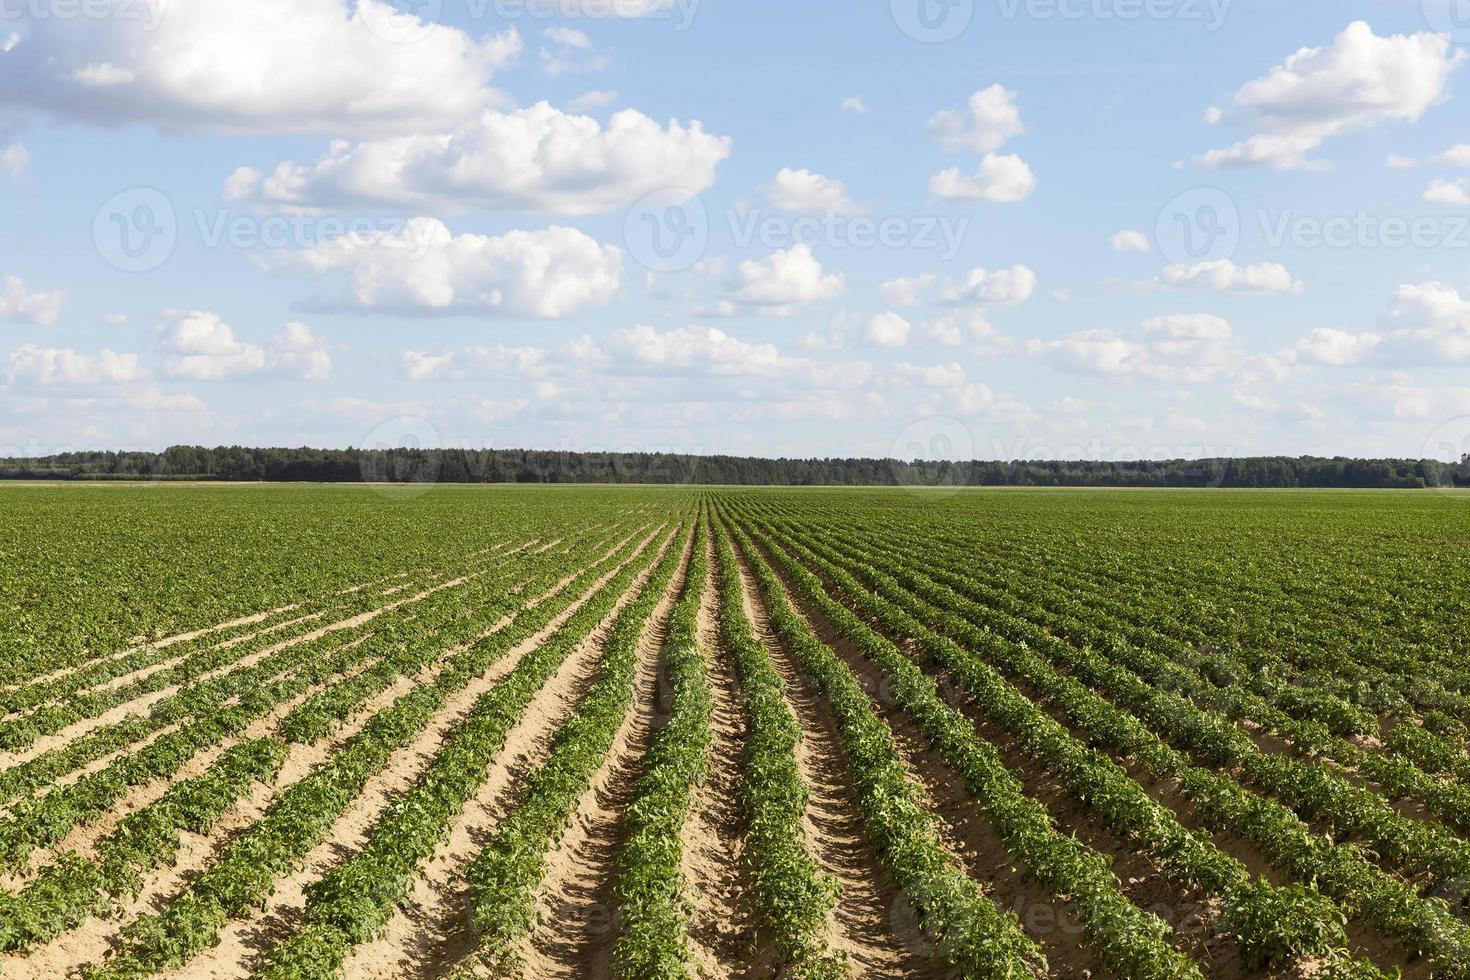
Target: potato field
{"type": "Point", "coordinates": [292, 732]}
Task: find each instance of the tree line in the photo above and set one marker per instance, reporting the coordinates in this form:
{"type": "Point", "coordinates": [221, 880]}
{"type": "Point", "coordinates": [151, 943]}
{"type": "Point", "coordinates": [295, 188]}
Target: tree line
{"type": "Point", "coordinates": [242, 463]}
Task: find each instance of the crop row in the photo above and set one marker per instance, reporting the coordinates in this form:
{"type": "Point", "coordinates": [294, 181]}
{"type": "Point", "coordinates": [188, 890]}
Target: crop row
{"type": "Point", "coordinates": [650, 894]}
{"type": "Point", "coordinates": [503, 877]}
{"type": "Point", "coordinates": [301, 817]}
{"type": "Point", "coordinates": [975, 935]}
{"type": "Point", "coordinates": [793, 894]}
{"type": "Point", "coordinates": [354, 901]}
{"type": "Point", "coordinates": [1274, 925]}
{"type": "Point", "coordinates": [1342, 872]}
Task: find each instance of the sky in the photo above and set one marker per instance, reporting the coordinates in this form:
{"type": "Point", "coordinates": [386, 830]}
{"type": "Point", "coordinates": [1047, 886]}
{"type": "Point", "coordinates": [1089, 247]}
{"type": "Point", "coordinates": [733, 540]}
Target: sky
{"type": "Point", "coordinates": [999, 229]}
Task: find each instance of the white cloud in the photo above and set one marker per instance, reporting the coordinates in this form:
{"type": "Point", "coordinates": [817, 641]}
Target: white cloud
{"type": "Point", "coordinates": [595, 99]}
{"type": "Point", "coordinates": [1456, 156]}
{"type": "Point", "coordinates": [1395, 161]}
{"type": "Point", "coordinates": [476, 363]}
{"type": "Point", "coordinates": [888, 329]}
{"type": "Point", "coordinates": [981, 285]}
{"type": "Point", "coordinates": [1359, 81]}
{"type": "Point", "coordinates": [202, 347]}
{"type": "Point", "coordinates": [1001, 179]}
{"type": "Point", "coordinates": [533, 159]}
{"type": "Point", "coordinates": [905, 290]}
{"type": "Point", "coordinates": [802, 190]}
{"type": "Point", "coordinates": [989, 120]}
{"type": "Point", "coordinates": [14, 159]}
{"type": "Point", "coordinates": [1195, 348]}
{"type": "Point", "coordinates": [1129, 240]}
{"type": "Point", "coordinates": [565, 49]}
{"type": "Point", "coordinates": [22, 306]}
{"type": "Point", "coordinates": [855, 105]}
{"type": "Point", "coordinates": [33, 365]}
{"type": "Point", "coordinates": [263, 66]}
{"type": "Point", "coordinates": [1224, 275]}
{"type": "Point", "coordinates": [965, 328]}
{"type": "Point", "coordinates": [114, 319]}
{"type": "Point", "coordinates": [298, 353]}
{"type": "Point", "coordinates": [783, 281]}
{"type": "Point", "coordinates": [1337, 347]}
{"type": "Point", "coordinates": [1442, 191]}
{"type": "Point", "coordinates": [424, 269]}
{"type": "Point", "coordinates": [1427, 325]}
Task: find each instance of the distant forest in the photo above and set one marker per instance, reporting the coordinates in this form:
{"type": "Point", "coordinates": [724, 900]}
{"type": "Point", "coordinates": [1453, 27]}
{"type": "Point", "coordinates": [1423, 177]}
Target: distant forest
{"type": "Point", "coordinates": [536, 466]}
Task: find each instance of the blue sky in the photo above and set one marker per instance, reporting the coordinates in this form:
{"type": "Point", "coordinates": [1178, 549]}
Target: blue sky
{"type": "Point", "coordinates": [1038, 228]}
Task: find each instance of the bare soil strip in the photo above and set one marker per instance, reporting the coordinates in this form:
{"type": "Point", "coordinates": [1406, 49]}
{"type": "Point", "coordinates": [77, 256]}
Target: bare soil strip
{"type": "Point", "coordinates": [577, 922]}
{"type": "Point", "coordinates": [867, 922]}
{"type": "Point", "coordinates": [84, 837]}
{"type": "Point", "coordinates": [723, 924]}
{"type": "Point", "coordinates": [144, 702]}
{"type": "Point", "coordinates": [430, 936]}
{"type": "Point", "coordinates": [243, 943]}
{"type": "Point", "coordinates": [89, 941]}
{"type": "Point", "coordinates": [962, 824]}
{"type": "Point", "coordinates": [143, 672]}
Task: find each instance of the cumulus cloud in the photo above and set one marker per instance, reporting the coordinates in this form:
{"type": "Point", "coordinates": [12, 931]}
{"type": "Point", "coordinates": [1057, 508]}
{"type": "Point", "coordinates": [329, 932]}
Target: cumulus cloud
{"type": "Point", "coordinates": [905, 290]}
{"type": "Point", "coordinates": [968, 329]}
{"type": "Point", "coordinates": [424, 269]}
{"type": "Point", "coordinates": [595, 99]}
{"type": "Point", "coordinates": [14, 160]}
{"type": "Point", "coordinates": [1182, 347]}
{"type": "Point", "coordinates": [45, 366]}
{"type": "Point", "coordinates": [1442, 191]}
{"type": "Point", "coordinates": [784, 281]}
{"type": "Point", "coordinates": [802, 190]}
{"type": "Point", "coordinates": [1456, 156]}
{"type": "Point", "coordinates": [855, 105]}
{"type": "Point", "coordinates": [1129, 240]}
{"type": "Point", "coordinates": [536, 159]}
{"type": "Point", "coordinates": [1427, 325]}
{"type": "Point", "coordinates": [887, 329]}
{"type": "Point", "coordinates": [265, 66]}
{"type": "Point", "coordinates": [21, 305]}
{"type": "Point", "coordinates": [1224, 275]}
{"type": "Point", "coordinates": [200, 346]}
{"type": "Point", "coordinates": [1001, 179]}
{"type": "Point", "coordinates": [565, 49]}
{"type": "Point", "coordinates": [476, 363]}
{"type": "Point", "coordinates": [641, 363]}
{"type": "Point", "coordinates": [1359, 81]}
{"type": "Point", "coordinates": [988, 121]}
{"type": "Point", "coordinates": [981, 285]}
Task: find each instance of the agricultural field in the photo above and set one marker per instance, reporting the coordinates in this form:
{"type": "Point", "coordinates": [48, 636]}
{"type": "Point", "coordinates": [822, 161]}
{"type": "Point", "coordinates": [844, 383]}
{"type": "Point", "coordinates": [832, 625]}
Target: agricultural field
{"type": "Point", "coordinates": [295, 732]}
